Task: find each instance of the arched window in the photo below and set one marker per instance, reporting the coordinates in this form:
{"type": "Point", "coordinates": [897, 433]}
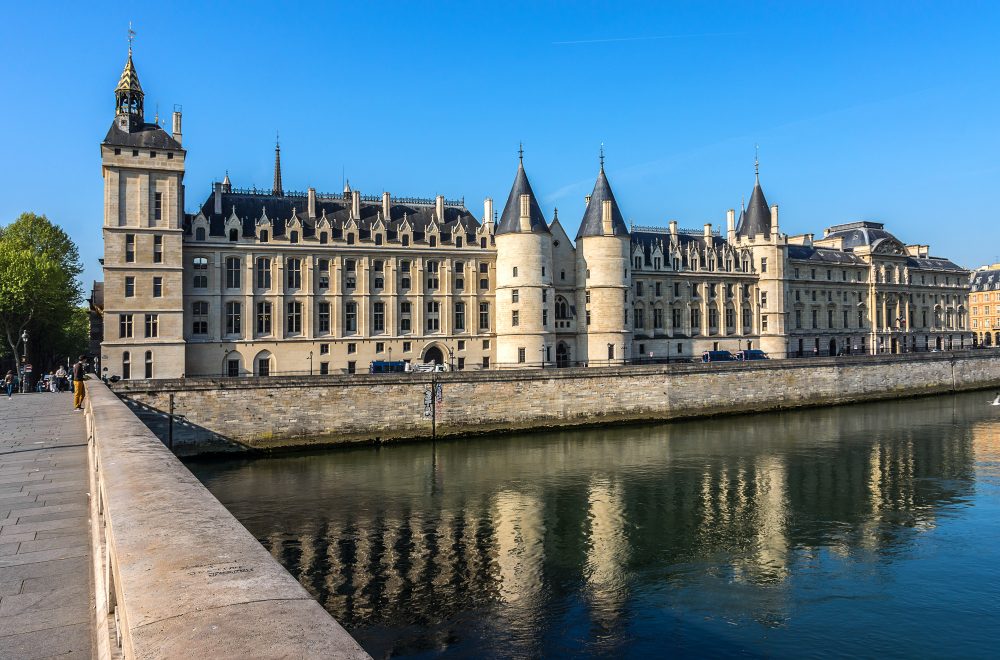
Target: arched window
{"type": "Point", "coordinates": [126, 365]}
{"type": "Point", "coordinates": [149, 364]}
{"type": "Point", "coordinates": [199, 234]}
{"type": "Point", "coordinates": [562, 309]}
{"type": "Point", "coordinates": [263, 364]}
{"type": "Point", "coordinates": [515, 271]}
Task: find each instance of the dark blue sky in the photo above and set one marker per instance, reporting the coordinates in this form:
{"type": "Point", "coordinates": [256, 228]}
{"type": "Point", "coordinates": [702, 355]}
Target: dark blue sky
{"type": "Point", "coordinates": [883, 111]}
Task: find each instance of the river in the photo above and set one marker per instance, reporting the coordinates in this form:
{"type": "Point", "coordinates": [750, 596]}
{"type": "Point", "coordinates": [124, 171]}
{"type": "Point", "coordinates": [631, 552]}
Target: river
{"type": "Point", "coordinates": [869, 530]}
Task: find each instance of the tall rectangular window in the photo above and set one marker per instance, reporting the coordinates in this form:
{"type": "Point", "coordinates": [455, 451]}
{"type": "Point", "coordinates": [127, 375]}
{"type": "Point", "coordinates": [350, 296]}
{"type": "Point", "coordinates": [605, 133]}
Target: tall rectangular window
{"type": "Point", "coordinates": [124, 326]}
{"type": "Point", "coordinates": [324, 317]}
{"type": "Point", "coordinates": [152, 325]}
{"type": "Point", "coordinates": [460, 316]}
{"type": "Point", "coordinates": [200, 267]}
{"type": "Point", "coordinates": [157, 249]}
{"type": "Point", "coordinates": [484, 316]}
{"type": "Point", "coordinates": [433, 318]}
{"type": "Point", "coordinates": [199, 317]}
{"type": "Point", "coordinates": [129, 286]}
{"type": "Point", "coordinates": [158, 206]}
{"type": "Point", "coordinates": [293, 273]}
{"type": "Point", "coordinates": [350, 274]}
{"type": "Point", "coordinates": [294, 321]}
{"type": "Point", "coordinates": [520, 355]}
{"type": "Point", "coordinates": [351, 318]}
{"type": "Point", "coordinates": [233, 325]}
{"type": "Point", "coordinates": [263, 271]}
{"type": "Point", "coordinates": [432, 275]}
{"type": "Point", "coordinates": [233, 272]}
{"type": "Point", "coordinates": [263, 318]}
{"type": "Point", "coordinates": [378, 317]}
{"type": "Point", "coordinates": [515, 318]}
{"type": "Point", "coordinates": [324, 274]}
{"type": "Point", "coordinates": [404, 317]}
{"type": "Point", "coordinates": [404, 275]}
{"type": "Point", "coordinates": [157, 287]}
{"type": "Point", "coordinates": [129, 248]}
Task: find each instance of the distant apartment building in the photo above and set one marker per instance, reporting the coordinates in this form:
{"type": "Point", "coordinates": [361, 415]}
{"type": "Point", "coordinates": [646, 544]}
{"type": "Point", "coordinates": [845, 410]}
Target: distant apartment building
{"type": "Point", "coordinates": [984, 300]}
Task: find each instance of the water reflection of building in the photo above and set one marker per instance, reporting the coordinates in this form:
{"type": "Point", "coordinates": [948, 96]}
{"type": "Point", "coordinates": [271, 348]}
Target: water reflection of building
{"type": "Point", "coordinates": [515, 530]}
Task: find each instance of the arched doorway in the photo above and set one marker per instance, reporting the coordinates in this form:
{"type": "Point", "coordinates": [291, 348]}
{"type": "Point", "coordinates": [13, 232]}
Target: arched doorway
{"type": "Point", "coordinates": [833, 347]}
{"type": "Point", "coordinates": [433, 355]}
{"type": "Point", "coordinates": [562, 355]}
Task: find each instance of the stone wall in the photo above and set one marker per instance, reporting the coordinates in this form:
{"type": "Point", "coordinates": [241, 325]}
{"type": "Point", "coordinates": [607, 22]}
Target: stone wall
{"type": "Point", "coordinates": [219, 414]}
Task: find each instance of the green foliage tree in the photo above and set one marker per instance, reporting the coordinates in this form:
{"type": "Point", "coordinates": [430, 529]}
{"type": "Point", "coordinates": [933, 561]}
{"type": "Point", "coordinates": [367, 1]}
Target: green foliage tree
{"type": "Point", "coordinates": [39, 266]}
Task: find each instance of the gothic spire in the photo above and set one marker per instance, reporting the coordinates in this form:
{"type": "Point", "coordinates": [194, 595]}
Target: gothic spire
{"type": "Point", "coordinates": [276, 189]}
{"type": "Point", "coordinates": [128, 93]}
{"type": "Point", "coordinates": [510, 219]}
{"type": "Point", "coordinates": [593, 223]}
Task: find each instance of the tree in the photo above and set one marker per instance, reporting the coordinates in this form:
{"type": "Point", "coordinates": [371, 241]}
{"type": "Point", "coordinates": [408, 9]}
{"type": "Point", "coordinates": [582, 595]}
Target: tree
{"type": "Point", "coordinates": [39, 264]}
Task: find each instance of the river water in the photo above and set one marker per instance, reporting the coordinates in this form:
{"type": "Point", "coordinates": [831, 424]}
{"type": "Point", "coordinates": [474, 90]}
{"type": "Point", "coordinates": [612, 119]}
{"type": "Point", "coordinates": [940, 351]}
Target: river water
{"type": "Point", "coordinates": [868, 530]}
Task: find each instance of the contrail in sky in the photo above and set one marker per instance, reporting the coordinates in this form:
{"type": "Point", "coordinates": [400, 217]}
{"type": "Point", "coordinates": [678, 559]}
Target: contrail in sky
{"type": "Point", "coordinates": [662, 36]}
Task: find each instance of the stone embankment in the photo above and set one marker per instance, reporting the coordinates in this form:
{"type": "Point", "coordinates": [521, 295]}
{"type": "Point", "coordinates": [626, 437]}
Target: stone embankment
{"type": "Point", "coordinates": [268, 413]}
{"type": "Point", "coordinates": [176, 575]}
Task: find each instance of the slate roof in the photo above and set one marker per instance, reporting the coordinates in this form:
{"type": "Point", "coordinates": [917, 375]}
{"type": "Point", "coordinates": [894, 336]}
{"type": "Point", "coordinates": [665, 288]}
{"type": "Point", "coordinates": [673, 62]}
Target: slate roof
{"type": "Point", "coordinates": [510, 219]}
{"type": "Point", "coordinates": [986, 280]}
{"type": "Point", "coordinates": [129, 81]}
{"type": "Point", "coordinates": [858, 234]}
{"type": "Point", "coordinates": [827, 256]}
{"type": "Point", "coordinates": [756, 219]}
{"type": "Point", "coordinates": [147, 136]}
{"type": "Point", "coordinates": [648, 240]}
{"type": "Point", "coordinates": [592, 224]}
{"type": "Point", "coordinates": [250, 206]}
{"type": "Point", "coordinates": [933, 263]}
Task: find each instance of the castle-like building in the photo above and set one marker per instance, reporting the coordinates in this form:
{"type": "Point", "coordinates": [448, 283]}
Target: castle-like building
{"type": "Point", "coordinates": [268, 282]}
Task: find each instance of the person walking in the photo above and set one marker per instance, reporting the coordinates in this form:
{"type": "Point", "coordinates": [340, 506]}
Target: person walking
{"type": "Point", "coordinates": [61, 378]}
{"type": "Point", "coordinates": [79, 369]}
{"type": "Point", "coordinates": [8, 384]}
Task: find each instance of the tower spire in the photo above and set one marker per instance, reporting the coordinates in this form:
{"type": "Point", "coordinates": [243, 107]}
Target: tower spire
{"type": "Point", "coordinates": [602, 156]}
{"type": "Point", "coordinates": [520, 153]}
{"type": "Point", "coordinates": [128, 93]}
{"type": "Point", "coordinates": [276, 187]}
{"type": "Point", "coordinates": [756, 161]}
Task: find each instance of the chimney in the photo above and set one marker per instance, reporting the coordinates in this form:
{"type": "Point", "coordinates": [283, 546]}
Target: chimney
{"type": "Point", "coordinates": [386, 206]}
{"type": "Point", "coordinates": [439, 208]}
{"type": "Point", "coordinates": [312, 202]}
{"type": "Point", "coordinates": [731, 225]}
{"type": "Point", "coordinates": [673, 227]}
{"type": "Point", "coordinates": [218, 198]}
{"type": "Point", "coordinates": [708, 230]}
{"type": "Point", "coordinates": [606, 226]}
{"type": "Point", "coordinates": [356, 204]}
{"type": "Point", "coordinates": [487, 210]}
{"type": "Point", "coordinates": [525, 220]}
{"type": "Point", "coordinates": [774, 220]}
{"type": "Point", "coordinates": [176, 134]}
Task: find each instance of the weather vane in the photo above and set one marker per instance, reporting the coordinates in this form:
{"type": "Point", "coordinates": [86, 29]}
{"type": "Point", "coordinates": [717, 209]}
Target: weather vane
{"type": "Point", "coordinates": [131, 37]}
{"type": "Point", "coordinates": [520, 151]}
{"type": "Point", "coordinates": [756, 158]}
{"type": "Point", "coordinates": [602, 155]}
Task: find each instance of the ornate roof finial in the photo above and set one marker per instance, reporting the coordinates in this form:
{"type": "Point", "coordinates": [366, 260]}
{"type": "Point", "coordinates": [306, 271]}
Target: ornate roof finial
{"type": "Point", "coordinates": [131, 38]}
{"type": "Point", "coordinates": [276, 188]}
{"type": "Point", "coordinates": [756, 161]}
{"type": "Point", "coordinates": [520, 152]}
{"type": "Point", "coordinates": [602, 155]}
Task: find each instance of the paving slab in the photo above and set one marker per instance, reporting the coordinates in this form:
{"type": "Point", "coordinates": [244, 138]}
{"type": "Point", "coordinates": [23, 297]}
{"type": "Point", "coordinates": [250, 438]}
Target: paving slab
{"type": "Point", "coordinates": [45, 591]}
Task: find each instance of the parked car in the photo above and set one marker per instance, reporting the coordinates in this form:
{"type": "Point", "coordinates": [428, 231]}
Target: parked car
{"type": "Point", "coordinates": [751, 354]}
{"type": "Point", "coordinates": [717, 356]}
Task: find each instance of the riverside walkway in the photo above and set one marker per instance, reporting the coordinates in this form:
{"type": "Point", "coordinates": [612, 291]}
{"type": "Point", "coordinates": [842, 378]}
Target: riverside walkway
{"type": "Point", "coordinates": [45, 592]}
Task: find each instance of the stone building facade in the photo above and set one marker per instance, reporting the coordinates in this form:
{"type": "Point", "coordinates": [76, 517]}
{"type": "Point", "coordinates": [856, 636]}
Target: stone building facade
{"type": "Point", "coordinates": [269, 282]}
{"type": "Point", "coordinates": [984, 301]}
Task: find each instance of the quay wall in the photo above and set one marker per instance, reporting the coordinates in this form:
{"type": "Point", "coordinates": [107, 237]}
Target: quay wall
{"type": "Point", "coordinates": [280, 412]}
{"type": "Point", "coordinates": [175, 574]}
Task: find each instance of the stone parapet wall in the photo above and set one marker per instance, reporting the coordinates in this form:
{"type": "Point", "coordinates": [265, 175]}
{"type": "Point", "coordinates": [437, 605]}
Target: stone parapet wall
{"type": "Point", "coordinates": [176, 575]}
{"type": "Point", "coordinates": [241, 413]}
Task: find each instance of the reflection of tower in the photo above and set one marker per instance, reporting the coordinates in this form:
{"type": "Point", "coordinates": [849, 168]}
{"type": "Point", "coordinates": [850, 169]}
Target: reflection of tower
{"type": "Point", "coordinates": [772, 505]}
{"type": "Point", "coordinates": [607, 550]}
{"type": "Point", "coordinates": [518, 530]}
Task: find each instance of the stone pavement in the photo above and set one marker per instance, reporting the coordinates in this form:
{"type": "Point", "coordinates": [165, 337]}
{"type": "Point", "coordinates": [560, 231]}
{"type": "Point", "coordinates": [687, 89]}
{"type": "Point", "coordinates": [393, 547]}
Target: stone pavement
{"type": "Point", "coordinates": [45, 586]}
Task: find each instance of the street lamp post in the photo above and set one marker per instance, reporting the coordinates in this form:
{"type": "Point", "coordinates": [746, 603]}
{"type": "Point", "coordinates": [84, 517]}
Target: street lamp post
{"type": "Point", "coordinates": [24, 369]}
{"type": "Point", "coordinates": [310, 363]}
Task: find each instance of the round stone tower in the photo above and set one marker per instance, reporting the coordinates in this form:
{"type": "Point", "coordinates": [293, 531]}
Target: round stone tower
{"type": "Point", "coordinates": [603, 246]}
{"type": "Point", "coordinates": [524, 296]}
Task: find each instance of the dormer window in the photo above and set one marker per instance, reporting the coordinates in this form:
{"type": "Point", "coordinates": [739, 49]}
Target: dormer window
{"type": "Point", "coordinates": [263, 236]}
{"type": "Point", "coordinates": [350, 238]}
{"type": "Point", "coordinates": [406, 240]}
{"type": "Point", "coordinates": [378, 239]}
{"type": "Point", "coordinates": [293, 237]}
{"type": "Point", "coordinates": [199, 234]}
{"type": "Point", "coordinates": [234, 235]}
{"type": "Point", "coordinates": [458, 241]}
{"type": "Point", "coordinates": [432, 241]}
{"type": "Point", "coordinates": [482, 242]}
{"type": "Point", "coordinates": [323, 237]}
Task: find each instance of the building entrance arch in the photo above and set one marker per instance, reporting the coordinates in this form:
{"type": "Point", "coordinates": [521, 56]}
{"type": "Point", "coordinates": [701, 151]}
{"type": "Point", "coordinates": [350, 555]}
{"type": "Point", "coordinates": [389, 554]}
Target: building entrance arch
{"type": "Point", "coordinates": [434, 355]}
{"type": "Point", "coordinates": [562, 355]}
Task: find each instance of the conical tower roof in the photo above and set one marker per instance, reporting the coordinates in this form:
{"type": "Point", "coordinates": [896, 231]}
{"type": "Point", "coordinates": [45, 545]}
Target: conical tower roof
{"type": "Point", "coordinates": [510, 220]}
{"type": "Point", "coordinates": [592, 224]}
{"type": "Point", "coordinates": [757, 217]}
{"type": "Point", "coordinates": [129, 81]}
